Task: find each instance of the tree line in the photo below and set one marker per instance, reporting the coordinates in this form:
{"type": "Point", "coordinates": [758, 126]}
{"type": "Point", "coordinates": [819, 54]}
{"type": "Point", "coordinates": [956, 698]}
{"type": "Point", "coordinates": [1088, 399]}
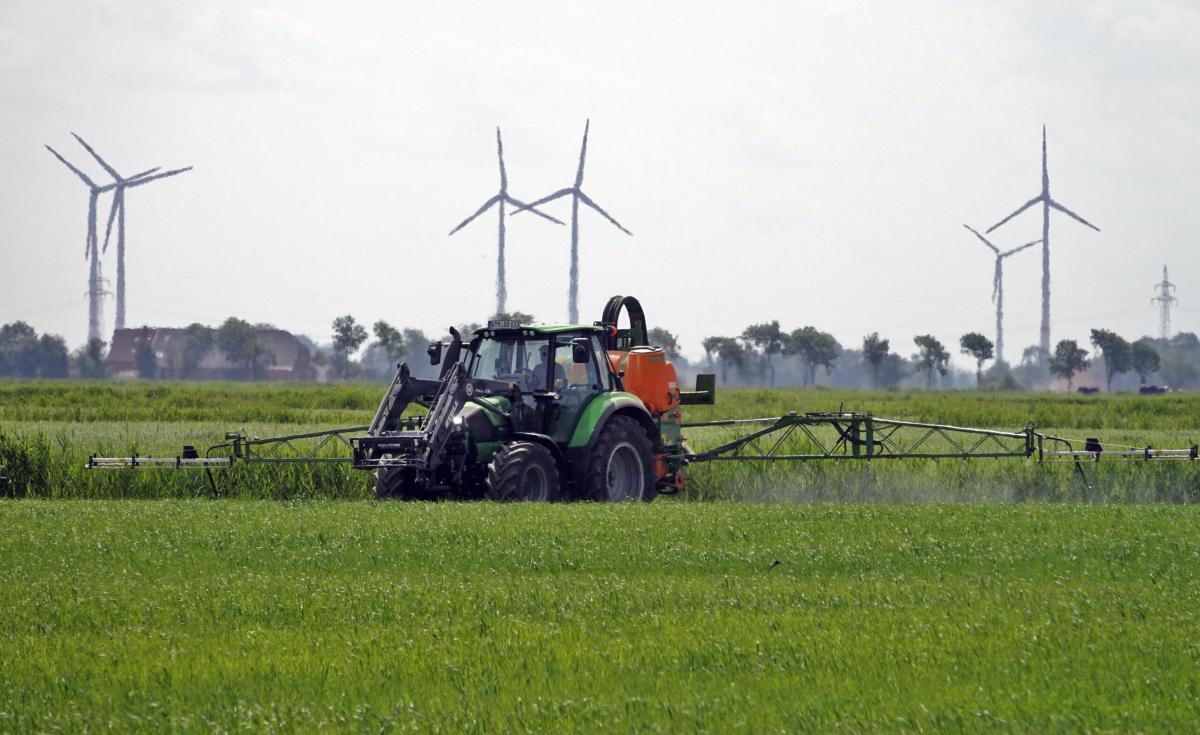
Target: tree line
{"type": "Point", "coordinates": [24, 354]}
{"type": "Point", "coordinates": [758, 350]}
{"type": "Point", "coordinates": [759, 354]}
{"type": "Point", "coordinates": [1119, 356]}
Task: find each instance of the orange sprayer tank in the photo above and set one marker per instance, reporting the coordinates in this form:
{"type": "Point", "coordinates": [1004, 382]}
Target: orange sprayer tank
{"type": "Point", "coordinates": [649, 375]}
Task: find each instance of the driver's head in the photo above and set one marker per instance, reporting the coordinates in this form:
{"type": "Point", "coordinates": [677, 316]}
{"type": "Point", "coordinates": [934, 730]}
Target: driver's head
{"type": "Point", "coordinates": [544, 353]}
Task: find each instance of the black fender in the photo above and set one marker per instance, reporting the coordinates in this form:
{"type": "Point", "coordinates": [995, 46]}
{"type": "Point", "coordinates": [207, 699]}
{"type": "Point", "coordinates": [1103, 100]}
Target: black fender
{"type": "Point", "coordinates": [542, 439]}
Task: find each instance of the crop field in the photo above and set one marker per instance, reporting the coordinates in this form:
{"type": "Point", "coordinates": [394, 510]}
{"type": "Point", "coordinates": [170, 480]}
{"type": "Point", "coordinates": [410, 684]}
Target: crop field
{"type": "Point", "coordinates": [281, 607]}
{"type": "Point", "coordinates": [47, 431]}
{"type": "Point", "coordinates": [146, 616]}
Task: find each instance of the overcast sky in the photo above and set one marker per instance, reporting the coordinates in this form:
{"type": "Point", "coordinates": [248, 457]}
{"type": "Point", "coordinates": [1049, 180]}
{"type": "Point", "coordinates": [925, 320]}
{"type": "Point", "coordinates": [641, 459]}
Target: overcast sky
{"type": "Point", "coordinates": [809, 162]}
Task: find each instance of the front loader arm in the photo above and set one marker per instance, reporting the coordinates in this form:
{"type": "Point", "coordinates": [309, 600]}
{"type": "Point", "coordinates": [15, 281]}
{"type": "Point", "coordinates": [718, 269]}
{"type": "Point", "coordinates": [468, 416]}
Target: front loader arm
{"type": "Point", "coordinates": [403, 391]}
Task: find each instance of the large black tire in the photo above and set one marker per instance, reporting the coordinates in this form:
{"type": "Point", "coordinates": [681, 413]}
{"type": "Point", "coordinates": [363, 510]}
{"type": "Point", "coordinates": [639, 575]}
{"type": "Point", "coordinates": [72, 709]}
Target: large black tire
{"type": "Point", "coordinates": [523, 471]}
{"type": "Point", "coordinates": [398, 484]}
{"type": "Point", "coordinates": [621, 465]}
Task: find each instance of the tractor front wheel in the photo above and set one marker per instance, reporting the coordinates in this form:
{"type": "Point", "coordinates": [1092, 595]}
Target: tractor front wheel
{"type": "Point", "coordinates": [398, 483]}
{"type": "Point", "coordinates": [523, 471]}
{"type": "Point", "coordinates": [621, 466]}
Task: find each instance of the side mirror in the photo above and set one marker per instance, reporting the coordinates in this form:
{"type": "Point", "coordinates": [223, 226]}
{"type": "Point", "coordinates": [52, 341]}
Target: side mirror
{"type": "Point", "coordinates": [581, 350]}
{"type": "Point", "coordinates": [434, 350]}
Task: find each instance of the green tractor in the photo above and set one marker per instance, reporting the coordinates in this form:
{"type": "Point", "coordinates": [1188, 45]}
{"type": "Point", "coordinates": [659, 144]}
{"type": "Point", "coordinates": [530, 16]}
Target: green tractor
{"type": "Point", "coordinates": [536, 413]}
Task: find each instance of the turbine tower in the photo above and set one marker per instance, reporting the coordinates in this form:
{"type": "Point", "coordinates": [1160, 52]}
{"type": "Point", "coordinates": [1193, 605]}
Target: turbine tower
{"type": "Point", "coordinates": [577, 196]}
{"type": "Point", "coordinates": [501, 198]}
{"type": "Point", "coordinates": [117, 212]}
{"type": "Point", "coordinates": [1047, 203]}
{"type": "Point", "coordinates": [90, 252]}
{"type": "Point", "coordinates": [1165, 300]}
{"type": "Point", "coordinates": [998, 286]}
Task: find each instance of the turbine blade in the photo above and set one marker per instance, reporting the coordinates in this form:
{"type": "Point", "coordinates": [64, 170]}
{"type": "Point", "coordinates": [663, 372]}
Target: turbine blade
{"type": "Point", "coordinates": [478, 212]}
{"type": "Point", "coordinates": [523, 207]}
{"type": "Point", "coordinates": [129, 183]}
{"type": "Point", "coordinates": [1023, 207]}
{"type": "Point", "coordinates": [982, 239]}
{"type": "Point", "coordinates": [549, 198]}
{"type": "Point", "coordinates": [582, 154]}
{"type": "Point", "coordinates": [67, 163]}
{"type": "Point", "coordinates": [112, 215]}
{"type": "Point", "coordinates": [103, 164]}
{"type": "Point", "coordinates": [500, 156]}
{"type": "Point", "coordinates": [996, 280]}
{"type": "Point", "coordinates": [1020, 248]}
{"type": "Point", "coordinates": [1045, 166]}
{"type": "Point", "coordinates": [1071, 214]}
{"type": "Point", "coordinates": [588, 201]}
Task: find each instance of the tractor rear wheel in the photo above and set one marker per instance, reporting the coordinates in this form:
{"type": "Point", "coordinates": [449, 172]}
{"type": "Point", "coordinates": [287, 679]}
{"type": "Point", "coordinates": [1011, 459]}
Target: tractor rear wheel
{"type": "Point", "coordinates": [398, 483]}
{"type": "Point", "coordinates": [523, 471]}
{"type": "Point", "coordinates": [621, 465]}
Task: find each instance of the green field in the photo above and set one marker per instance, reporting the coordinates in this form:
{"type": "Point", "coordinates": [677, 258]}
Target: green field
{"type": "Point", "coordinates": [165, 610]}
{"type": "Point", "coordinates": [48, 429]}
{"type": "Point", "coordinates": [146, 616]}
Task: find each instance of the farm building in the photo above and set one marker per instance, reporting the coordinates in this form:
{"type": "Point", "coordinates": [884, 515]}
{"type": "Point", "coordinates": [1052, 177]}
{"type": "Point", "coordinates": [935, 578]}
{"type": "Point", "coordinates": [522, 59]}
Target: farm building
{"type": "Point", "coordinates": [285, 357]}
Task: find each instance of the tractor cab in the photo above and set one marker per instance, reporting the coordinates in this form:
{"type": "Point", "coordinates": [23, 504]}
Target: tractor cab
{"type": "Point", "coordinates": [557, 371]}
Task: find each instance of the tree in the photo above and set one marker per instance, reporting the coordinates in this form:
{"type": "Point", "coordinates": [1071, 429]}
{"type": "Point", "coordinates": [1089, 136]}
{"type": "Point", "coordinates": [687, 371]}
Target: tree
{"type": "Point", "coordinates": [1185, 342]}
{"type": "Point", "coordinates": [198, 340]}
{"type": "Point", "coordinates": [1179, 372]}
{"type": "Point", "coordinates": [875, 351]}
{"type": "Point", "coordinates": [144, 357]}
{"type": "Point", "coordinates": [348, 336]}
{"type": "Point", "coordinates": [1118, 355]}
{"type": "Point", "coordinates": [18, 350]}
{"type": "Point", "coordinates": [768, 338]}
{"type": "Point", "coordinates": [1145, 359]}
{"type": "Point", "coordinates": [1031, 356]}
{"type": "Point", "coordinates": [978, 347]}
{"type": "Point", "coordinates": [814, 348]}
{"type": "Point", "coordinates": [710, 345]}
{"type": "Point", "coordinates": [931, 357]}
{"type": "Point", "coordinates": [53, 360]}
{"type": "Point", "coordinates": [660, 337]}
{"type": "Point", "coordinates": [390, 340]}
{"type": "Point", "coordinates": [241, 345]}
{"type": "Point", "coordinates": [90, 360]}
{"type": "Point", "coordinates": [519, 317]}
{"type": "Point", "coordinates": [730, 352]}
{"type": "Point", "coordinates": [1068, 360]}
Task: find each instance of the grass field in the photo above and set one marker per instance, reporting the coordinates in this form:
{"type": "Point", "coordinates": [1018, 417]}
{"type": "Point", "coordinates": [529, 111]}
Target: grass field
{"type": "Point", "coordinates": [48, 429]}
{"type": "Point", "coordinates": [189, 614]}
{"type": "Point", "coordinates": [145, 616]}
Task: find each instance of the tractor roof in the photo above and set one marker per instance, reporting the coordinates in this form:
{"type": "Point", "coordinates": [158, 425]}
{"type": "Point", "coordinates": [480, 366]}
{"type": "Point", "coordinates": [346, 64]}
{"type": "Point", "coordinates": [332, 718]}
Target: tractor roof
{"type": "Point", "coordinates": [541, 329]}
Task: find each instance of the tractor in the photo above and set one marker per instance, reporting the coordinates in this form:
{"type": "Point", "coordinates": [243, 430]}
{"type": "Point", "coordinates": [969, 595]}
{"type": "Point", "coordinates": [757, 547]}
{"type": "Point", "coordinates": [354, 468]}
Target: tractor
{"type": "Point", "coordinates": [535, 412]}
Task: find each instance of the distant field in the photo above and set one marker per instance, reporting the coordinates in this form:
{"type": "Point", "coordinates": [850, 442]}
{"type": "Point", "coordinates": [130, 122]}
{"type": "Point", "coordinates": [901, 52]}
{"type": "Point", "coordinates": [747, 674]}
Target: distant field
{"type": "Point", "coordinates": [48, 429]}
{"type": "Point", "coordinates": [350, 403]}
{"type": "Point", "coordinates": [150, 616]}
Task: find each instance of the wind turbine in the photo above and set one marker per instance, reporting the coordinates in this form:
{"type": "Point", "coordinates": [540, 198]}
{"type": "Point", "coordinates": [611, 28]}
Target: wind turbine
{"type": "Point", "coordinates": [998, 286]}
{"type": "Point", "coordinates": [577, 196]}
{"type": "Point", "coordinates": [117, 212]}
{"type": "Point", "coordinates": [1047, 202]}
{"type": "Point", "coordinates": [501, 198]}
{"type": "Point", "coordinates": [91, 252]}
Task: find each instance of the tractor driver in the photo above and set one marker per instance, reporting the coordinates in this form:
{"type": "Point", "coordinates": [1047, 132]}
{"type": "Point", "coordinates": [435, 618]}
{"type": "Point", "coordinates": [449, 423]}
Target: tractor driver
{"type": "Point", "coordinates": [543, 369]}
